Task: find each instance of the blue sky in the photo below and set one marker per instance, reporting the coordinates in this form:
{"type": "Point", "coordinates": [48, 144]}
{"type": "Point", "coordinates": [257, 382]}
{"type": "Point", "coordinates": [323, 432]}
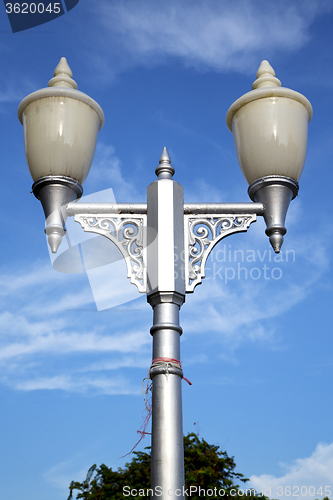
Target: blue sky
{"type": "Point", "coordinates": [258, 351]}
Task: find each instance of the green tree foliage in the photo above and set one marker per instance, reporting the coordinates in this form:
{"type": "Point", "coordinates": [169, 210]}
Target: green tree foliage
{"type": "Point", "coordinates": [206, 467]}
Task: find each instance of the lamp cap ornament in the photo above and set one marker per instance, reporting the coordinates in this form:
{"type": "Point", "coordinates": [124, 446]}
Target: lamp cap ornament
{"type": "Point", "coordinates": [62, 84]}
{"type": "Point", "coordinates": [63, 76]}
{"type": "Point", "coordinates": [265, 77]}
{"type": "Point", "coordinates": [266, 85]}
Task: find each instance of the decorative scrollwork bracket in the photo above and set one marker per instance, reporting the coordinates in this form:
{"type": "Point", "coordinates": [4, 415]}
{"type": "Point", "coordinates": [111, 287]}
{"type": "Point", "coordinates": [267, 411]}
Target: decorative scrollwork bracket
{"type": "Point", "coordinates": [127, 229]}
{"type": "Point", "coordinates": [128, 233]}
{"type": "Point", "coordinates": [202, 233]}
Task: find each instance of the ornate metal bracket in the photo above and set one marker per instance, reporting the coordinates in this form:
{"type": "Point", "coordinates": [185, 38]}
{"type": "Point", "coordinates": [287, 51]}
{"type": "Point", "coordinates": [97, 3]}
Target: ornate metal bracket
{"type": "Point", "coordinates": [202, 233]}
{"type": "Point", "coordinates": [204, 227]}
{"type": "Point", "coordinates": [128, 233]}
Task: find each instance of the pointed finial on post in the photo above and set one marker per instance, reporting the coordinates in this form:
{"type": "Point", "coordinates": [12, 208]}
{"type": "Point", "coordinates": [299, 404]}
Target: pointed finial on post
{"type": "Point", "coordinates": [63, 76]}
{"type": "Point", "coordinates": [265, 77]}
{"type": "Point", "coordinates": [165, 170]}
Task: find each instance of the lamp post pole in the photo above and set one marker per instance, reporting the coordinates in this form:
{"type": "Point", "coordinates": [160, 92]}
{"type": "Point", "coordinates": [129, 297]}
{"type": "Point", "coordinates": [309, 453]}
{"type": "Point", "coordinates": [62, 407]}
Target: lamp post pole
{"type": "Point", "coordinates": [166, 294]}
{"type": "Point", "coordinates": [165, 243]}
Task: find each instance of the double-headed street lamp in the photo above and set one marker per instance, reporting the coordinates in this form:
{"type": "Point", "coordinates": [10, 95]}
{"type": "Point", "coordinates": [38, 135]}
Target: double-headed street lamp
{"type": "Point", "coordinates": [165, 242]}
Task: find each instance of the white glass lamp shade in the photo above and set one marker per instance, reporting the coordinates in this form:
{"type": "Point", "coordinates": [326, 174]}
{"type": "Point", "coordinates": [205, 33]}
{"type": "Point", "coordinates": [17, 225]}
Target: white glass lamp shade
{"type": "Point", "coordinates": [60, 128]}
{"type": "Point", "coordinates": [270, 128]}
{"type": "Point", "coordinates": [60, 135]}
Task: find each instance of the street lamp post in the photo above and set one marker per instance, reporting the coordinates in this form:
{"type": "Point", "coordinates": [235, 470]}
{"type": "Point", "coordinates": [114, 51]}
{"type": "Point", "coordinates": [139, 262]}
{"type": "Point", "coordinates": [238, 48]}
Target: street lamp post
{"type": "Point", "coordinates": [165, 242]}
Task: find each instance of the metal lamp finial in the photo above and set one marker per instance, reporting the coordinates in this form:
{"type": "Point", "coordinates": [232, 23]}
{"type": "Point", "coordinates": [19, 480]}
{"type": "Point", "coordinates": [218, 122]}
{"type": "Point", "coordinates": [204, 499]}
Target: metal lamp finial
{"type": "Point", "coordinates": [165, 157]}
{"type": "Point", "coordinates": [165, 170]}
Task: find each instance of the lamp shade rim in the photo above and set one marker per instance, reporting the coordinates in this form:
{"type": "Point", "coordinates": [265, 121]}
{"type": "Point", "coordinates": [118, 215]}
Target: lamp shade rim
{"type": "Point", "coordinates": [53, 180]}
{"type": "Point", "coordinates": [270, 180]}
{"type": "Point", "coordinates": [263, 93]}
{"type": "Point", "coordinates": [60, 92]}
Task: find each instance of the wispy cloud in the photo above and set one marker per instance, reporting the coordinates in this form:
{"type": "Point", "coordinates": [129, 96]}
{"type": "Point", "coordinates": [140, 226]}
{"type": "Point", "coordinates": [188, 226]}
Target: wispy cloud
{"type": "Point", "coordinates": [10, 95]}
{"type": "Point", "coordinates": [39, 322]}
{"type": "Point", "coordinates": [307, 478]}
{"type": "Point", "coordinates": [70, 383]}
{"type": "Point", "coordinates": [62, 343]}
{"type": "Point", "coordinates": [212, 34]}
{"type": "Point", "coordinates": [13, 90]}
{"type": "Point", "coordinates": [108, 170]}
{"type": "Point", "coordinates": [241, 296]}
{"type": "Point", "coordinates": [16, 281]}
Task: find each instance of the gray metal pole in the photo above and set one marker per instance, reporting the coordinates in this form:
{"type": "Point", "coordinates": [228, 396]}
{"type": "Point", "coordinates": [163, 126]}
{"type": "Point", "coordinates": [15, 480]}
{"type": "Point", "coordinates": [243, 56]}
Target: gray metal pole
{"type": "Point", "coordinates": [167, 463]}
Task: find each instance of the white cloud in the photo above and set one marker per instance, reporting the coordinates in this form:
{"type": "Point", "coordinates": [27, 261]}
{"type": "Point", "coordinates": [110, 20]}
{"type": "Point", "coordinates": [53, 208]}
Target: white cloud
{"type": "Point", "coordinates": [239, 309]}
{"type": "Point", "coordinates": [14, 90]}
{"type": "Point", "coordinates": [211, 34]}
{"type": "Point", "coordinates": [52, 341]}
{"type": "Point", "coordinates": [67, 383]}
{"type": "Point", "coordinates": [39, 327]}
{"type": "Point", "coordinates": [108, 171]}
{"type": "Point", "coordinates": [68, 301]}
{"type": "Point", "coordinates": [38, 274]}
{"type": "Point", "coordinates": [306, 478]}
{"type": "Point", "coordinates": [10, 95]}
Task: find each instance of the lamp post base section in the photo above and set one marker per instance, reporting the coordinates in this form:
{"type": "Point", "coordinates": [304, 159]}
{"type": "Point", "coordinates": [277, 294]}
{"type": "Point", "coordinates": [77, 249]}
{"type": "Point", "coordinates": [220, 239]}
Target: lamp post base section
{"type": "Point", "coordinates": [167, 449]}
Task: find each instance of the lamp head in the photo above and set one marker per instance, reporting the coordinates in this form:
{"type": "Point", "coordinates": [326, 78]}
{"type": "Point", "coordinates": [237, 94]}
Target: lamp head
{"type": "Point", "coordinates": [270, 127]}
{"type": "Point", "coordinates": [60, 126]}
